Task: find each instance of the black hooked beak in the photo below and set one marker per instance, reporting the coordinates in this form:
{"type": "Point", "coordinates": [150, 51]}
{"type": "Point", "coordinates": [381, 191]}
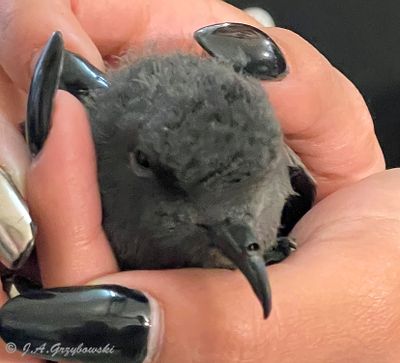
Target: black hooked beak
{"type": "Point", "coordinates": [239, 244]}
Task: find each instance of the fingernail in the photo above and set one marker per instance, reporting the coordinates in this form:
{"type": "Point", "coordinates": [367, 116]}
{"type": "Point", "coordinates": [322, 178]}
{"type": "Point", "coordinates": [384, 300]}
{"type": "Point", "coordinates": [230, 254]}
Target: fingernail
{"type": "Point", "coordinates": [16, 226]}
{"type": "Point", "coordinates": [79, 76]}
{"type": "Point", "coordinates": [56, 68]}
{"type": "Point", "coordinates": [105, 323]}
{"type": "Point", "coordinates": [44, 84]}
{"type": "Point", "coordinates": [246, 47]}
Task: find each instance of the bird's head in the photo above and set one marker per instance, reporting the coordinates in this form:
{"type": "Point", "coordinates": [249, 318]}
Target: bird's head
{"type": "Point", "coordinates": [185, 146]}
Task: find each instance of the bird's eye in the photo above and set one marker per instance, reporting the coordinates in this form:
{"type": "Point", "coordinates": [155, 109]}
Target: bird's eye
{"type": "Point", "coordinates": [140, 164]}
{"type": "Point", "coordinates": [253, 247]}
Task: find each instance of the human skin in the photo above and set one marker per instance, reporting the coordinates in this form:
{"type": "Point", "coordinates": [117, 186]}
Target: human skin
{"type": "Point", "coordinates": [334, 300]}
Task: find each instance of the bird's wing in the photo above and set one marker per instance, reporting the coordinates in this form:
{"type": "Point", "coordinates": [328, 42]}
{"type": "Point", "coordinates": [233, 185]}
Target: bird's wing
{"type": "Point", "coordinates": [304, 185]}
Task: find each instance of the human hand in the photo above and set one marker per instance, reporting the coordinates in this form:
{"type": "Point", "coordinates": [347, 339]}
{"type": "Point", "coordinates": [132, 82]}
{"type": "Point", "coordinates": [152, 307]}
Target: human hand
{"type": "Point", "coordinates": [328, 125]}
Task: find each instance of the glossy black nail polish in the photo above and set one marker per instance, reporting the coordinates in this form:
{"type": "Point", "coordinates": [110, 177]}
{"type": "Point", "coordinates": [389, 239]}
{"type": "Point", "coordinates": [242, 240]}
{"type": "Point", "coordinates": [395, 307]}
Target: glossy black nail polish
{"type": "Point", "coordinates": [105, 323]}
{"type": "Point", "coordinates": [246, 47]}
{"type": "Point", "coordinates": [79, 76]}
{"type": "Point", "coordinates": [43, 86]}
{"type": "Point", "coordinates": [56, 68]}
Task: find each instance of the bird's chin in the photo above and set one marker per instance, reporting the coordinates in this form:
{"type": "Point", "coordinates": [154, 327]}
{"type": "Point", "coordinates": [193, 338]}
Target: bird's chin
{"type": "Point", "coordinates": [204, 253]}
{"type": "Point", "coordinates": [215, 259]}
{"type": "Point", "coordinates": [183, 248]}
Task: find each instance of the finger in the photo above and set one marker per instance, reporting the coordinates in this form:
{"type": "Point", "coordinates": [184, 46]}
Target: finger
{"type": "Point", "coordinates": [26, 25]}
{"type": "Point", "coordinates": [335, 300]}
{"type": "Point", "coordinates": [323, 116]}
{"type": "Point", "coordinates": [375, 198]}
{"type": "Point", "coordinates": [30, 23]}
{"type": "Point", "coordinates": [12, 100]}
{"type": "Point", "coordinates": [64, 198]}
{"type": "Point", "coordinates": [14, 154]}
{"type": "Point", "coordinates": [153, 20]}
{"type": "Point", "coordinates": [16, 230]}
{"type": "Point", "coordinates": [14, 160]}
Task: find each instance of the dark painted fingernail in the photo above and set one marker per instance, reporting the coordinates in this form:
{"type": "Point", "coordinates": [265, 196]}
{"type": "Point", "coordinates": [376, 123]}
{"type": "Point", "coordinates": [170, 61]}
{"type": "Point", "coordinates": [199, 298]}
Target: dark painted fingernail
{"type": "Point", "coordinates": [105, 323]}
{"type": "Point", "coordinates": [56, 68]}
{"type": "Point", "coordinates": [246, 47]}
{"type": "Point", "coordinates": [79, 76]}
{"type": "Point", "coordinates": [43, 87]}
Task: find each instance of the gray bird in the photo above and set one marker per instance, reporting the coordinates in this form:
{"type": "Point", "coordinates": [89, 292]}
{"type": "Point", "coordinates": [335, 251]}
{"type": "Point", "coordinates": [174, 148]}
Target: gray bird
{"type": "Point", "coordinates": [193, 169]}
